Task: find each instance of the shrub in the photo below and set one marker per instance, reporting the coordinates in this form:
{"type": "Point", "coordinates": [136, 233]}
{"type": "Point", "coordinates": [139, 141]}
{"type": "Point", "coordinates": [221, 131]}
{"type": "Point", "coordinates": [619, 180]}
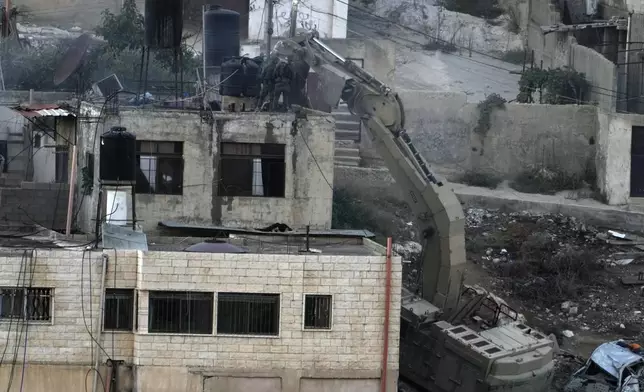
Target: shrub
{"type": "Point", "coordinates": [440, 45]}
{"type": "Point", "coordinates": [515, 56]}
{"type": "Point", "coordinates": [546, 181]}
{"type": "Point", "coordinates": [483, 180]}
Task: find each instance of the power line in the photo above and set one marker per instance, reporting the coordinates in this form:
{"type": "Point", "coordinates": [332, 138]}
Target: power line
{"type": "Point", "coordinates": [389, 36]}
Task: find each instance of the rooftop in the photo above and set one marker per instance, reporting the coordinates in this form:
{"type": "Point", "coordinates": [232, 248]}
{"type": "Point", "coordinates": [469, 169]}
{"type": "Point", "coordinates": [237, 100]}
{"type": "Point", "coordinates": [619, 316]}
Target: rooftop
{"type": "Point", "coordinates": [330, 243]}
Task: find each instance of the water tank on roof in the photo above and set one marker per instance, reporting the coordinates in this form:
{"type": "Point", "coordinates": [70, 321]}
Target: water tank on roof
{"type": "Point", "coordinates": [221, 35]}
{"type": "Point", "coordinates": [252, 80]}
{"type": "Point", "coordinates": [118, 156]}
{"type": "Point", "coordinates": [232, 77]}
{"type": "Point", "coordinates": [163, 23]}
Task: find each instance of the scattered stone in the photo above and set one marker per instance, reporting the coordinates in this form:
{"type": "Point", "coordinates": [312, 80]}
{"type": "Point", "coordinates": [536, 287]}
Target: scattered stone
{"type": "Point", "coordinates": [568, 333]}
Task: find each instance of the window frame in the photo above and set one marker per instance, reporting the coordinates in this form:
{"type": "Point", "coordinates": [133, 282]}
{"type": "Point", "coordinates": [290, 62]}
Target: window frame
{"type": "Point", "coordinates": [134, 311]}
{"type": "Point", "coordinates": [221, 187]}
{"type": "Point", "coordinates": [188, 292]}
{"type": "Point", "coordinates": [155, 154]}
{"type": "Point", "coordinates": [277, 334]}
{"type": "Point", "coordinates": [331, 312]}
{"type": "Point", "coordinates": [23, 317]}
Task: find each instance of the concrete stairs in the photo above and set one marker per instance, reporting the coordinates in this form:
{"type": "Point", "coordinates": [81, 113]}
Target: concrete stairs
{"type": "Point", "coordinates": [347, 137]}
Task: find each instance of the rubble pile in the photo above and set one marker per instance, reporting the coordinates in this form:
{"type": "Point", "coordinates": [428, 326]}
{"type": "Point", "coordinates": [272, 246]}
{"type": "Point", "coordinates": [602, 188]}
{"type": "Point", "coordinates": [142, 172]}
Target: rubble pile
{"type": "Point", "coordinates": [568, 277]}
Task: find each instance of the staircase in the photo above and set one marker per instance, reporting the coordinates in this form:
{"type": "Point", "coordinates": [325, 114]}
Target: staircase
{"type": "Point", "coordinates": [347, 137]}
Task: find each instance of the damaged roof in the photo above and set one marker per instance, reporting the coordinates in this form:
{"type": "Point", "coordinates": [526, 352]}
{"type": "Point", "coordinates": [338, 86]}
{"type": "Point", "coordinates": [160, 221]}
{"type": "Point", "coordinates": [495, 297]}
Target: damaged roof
{"type": "Point", "coordinates": [42, 110]}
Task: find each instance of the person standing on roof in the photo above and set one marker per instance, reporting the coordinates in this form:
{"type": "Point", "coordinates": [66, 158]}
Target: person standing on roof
{"type": "Point", "coordinates": [267, 76]}
{"type": "Point", "coordinates": [283, 80]}
{"type": "Point", "coordinates": [300, 74]}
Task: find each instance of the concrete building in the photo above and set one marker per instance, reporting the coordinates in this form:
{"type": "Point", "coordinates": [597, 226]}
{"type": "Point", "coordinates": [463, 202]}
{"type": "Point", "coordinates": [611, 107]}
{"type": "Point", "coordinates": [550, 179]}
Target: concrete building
{"type": "Point", "coordinates": [274, 319]}
{"type": "Point", "coordinates": [232, 169]}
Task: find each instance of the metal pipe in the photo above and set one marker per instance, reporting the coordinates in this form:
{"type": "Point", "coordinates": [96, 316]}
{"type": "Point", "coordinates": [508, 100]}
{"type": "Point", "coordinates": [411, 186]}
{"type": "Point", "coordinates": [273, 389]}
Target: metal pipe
{"type": "Point", "coordinates": [627, 57]}
{"type": "Point", "coordinates": [293, 21]}
{"type": "Point", "coordinates": [269, 25]}
{"type": "Point", "coordinates": [99, 324]}
{"type": "Point", "coordinates": [70, 200]}
{"type": "Point", "coordinates": [385, 350]}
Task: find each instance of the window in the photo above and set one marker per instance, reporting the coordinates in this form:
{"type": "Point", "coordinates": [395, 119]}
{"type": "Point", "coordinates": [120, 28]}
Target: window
{"type": "Point", "coordinates": [31, 304]}
{"type": "Point", "coordinates": [119, 310]}
{"type": "Point", "coordinates": [62, 164]}
{"type": "Point", "coordinates": [180, 312]}
{"type": "Point", "coordinates": [248, 314]}
{"type": "Point", "coordinates": [160, 167]}
{"type": "Point", "coordinates": [249, 169]}
{"type": "Point", "coordinates": [37, 140]}
{"type": "Point", "coordinates": [4, 158]}
{"type": "Point", "coordinates": [317, 311]}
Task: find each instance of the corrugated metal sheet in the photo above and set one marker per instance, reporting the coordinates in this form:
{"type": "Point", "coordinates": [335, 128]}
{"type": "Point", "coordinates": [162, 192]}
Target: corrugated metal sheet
{"type": "Point", "coordinates": [232, 230]}
{"type": "Point", "coordinates": [46, 110]}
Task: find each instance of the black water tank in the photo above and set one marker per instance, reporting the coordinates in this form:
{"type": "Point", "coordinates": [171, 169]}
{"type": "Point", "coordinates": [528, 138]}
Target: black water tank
{"type": "Point", "coordinates": [252, 80]}
{"type": "Point", "coordinates": [163, 23]}
{"type": "Point", "coordinates": [118, 156]}
{"type": "Point", "coordinates": [232, 77]}
{"type": "Point", "coordinates": [221, 35]}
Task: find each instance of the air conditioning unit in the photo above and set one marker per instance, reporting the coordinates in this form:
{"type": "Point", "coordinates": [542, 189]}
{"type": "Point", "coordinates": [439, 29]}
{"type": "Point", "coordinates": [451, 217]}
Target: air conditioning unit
{"type": "Point", "coordinates": [108, 86]}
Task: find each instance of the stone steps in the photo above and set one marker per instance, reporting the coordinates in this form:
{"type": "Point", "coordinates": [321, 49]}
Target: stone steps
{"type": "Point", "coordinates": [347, 134]}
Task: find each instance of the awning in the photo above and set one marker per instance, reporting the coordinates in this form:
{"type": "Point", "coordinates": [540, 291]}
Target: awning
{"type": "Point", "coordinates": [43, 110]}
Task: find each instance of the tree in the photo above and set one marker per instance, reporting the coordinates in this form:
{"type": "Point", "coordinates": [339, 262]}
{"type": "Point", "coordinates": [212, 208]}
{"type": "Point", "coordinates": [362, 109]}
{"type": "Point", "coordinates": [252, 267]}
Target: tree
{"type": "Point", "coordinates": [125, 31]}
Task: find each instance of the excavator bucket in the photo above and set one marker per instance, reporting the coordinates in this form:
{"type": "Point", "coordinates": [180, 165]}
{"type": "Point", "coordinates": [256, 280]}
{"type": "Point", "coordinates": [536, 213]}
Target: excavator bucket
{"type": "Point", "coordinates": [330, 79]}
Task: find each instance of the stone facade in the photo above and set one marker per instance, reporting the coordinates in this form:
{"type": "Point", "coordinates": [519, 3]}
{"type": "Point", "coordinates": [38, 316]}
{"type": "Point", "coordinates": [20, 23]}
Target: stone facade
{"type": "Point", "coordinates": [308, 168]}
{"type": "Point", "coordinates": [351, 350]}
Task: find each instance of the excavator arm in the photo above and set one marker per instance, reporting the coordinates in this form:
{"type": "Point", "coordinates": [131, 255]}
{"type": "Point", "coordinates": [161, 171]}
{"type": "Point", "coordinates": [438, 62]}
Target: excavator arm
{"type": "Point", "coordinates": [437, 211]}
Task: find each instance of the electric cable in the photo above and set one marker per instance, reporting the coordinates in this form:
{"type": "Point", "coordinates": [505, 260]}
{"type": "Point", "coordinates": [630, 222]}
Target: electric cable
{"type": "Point", "coordinates": [34, 259]}
{"type": "Point", "coordinates": [23, 322]}
{"type": "Point", "coordinates": [388, 36]}
{"type": "Point", "coordinates": [11, 315]}
{"type": "Point", "coordinates": [87, 328]}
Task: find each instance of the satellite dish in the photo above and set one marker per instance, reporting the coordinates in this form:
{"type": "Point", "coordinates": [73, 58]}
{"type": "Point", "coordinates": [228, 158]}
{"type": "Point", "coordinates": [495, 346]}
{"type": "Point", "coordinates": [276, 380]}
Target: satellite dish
{"type": "Point", "coordinates": [72, 59]}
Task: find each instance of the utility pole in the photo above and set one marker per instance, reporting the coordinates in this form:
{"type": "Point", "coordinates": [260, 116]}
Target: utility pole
{"type": "Point", "coordinates": [269, 25]}
{"type": "Point", "coordinates": [293, 24]}
{"type": "Point", "coordinates": [6, 29]}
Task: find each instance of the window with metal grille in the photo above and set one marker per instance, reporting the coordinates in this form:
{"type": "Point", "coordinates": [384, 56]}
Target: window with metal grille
{"type": "Point", "coordinates": [119, 310]}
{"type": "Point", "coordinates": [160, 167]}
{"type": "Point", "coordinates": [180, 312]}
{"type": "Point", "coordinates": [251, 169]}
{"type": "Point", "coordinates": [248, 314]}
{"type": "Point", "coordinates": [317, 311]}
{"type": "Point", "coordinates": [30, 304]}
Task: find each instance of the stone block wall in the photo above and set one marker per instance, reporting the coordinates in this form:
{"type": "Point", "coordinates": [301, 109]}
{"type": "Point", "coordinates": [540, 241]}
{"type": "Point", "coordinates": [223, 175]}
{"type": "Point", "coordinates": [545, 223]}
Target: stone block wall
{"type": "Point", "coordinates": [35, 203]}
{"type": "Point", "coordinates": [352, 349]}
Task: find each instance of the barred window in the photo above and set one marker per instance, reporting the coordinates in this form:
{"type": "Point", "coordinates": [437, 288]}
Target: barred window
{"type": "Point", "coordinates": [180, 312]}
{"type": "Point", "coordinates": [30, 304]}
{"type": "Point", "coordinates": [248, 314]}
{"type": "Point", "coordinates": [119, 310]}
{"type": "Point", "coordinates": [317, 311]}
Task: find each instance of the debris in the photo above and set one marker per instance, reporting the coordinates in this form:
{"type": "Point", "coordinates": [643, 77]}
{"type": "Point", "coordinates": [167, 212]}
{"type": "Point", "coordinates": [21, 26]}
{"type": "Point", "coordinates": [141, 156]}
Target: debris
{"type": "Point", "coordinates": [633, 280]}
{"type": "Point", "coordinates": [616, 234]}
{"type": "Point", "coordinates": [568, 333]}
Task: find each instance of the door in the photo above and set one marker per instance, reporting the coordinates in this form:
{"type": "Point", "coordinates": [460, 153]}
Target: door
{"type": "Point", "coordinates": [4, 157]}
{"type": "Point", "coordinates": [637, 162]}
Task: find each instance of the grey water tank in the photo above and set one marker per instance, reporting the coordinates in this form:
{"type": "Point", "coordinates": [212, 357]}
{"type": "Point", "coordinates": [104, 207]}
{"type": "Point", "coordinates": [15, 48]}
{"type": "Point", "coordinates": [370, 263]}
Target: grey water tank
{"type": "Point", "coordinates": [221, 35]}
